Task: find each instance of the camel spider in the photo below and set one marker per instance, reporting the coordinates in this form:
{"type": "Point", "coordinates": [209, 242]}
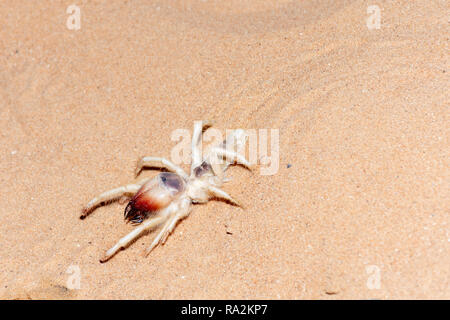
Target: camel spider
{"type": "Point", "coordinates": [166, 199]}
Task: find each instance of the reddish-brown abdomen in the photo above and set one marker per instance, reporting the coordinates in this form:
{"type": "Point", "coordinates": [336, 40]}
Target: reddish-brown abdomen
{"type": "Point", "coordinates": [153, 196]}
{"type": "Point", "coordinates": [151, 199]}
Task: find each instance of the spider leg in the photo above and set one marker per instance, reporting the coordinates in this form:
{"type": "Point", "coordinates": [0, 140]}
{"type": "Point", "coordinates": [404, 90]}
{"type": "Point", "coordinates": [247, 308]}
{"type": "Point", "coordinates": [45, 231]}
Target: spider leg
{"type": "Point", "coordinates": [219, 193]}
{"type": "Point", "coordinates": [196, 152]}
{"type": "Point", "coordinates": [125, 241]}
{"type": "Point", "coordinates": [232, 156]}
{"type": "Point", "coordinates": [161, 163]}
{"type": "Point", "coordinates": [111, 195]}
{"type": "Point", "coordinates": [173, 222]}
{"type": "Point", "coordinates": [157, 240]}
{"type": "Point", "coordinates": [179, 215]}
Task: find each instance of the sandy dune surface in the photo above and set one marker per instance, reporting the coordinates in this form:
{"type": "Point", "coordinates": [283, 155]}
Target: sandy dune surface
{"type": "Point", "coordinates": [359, 207]}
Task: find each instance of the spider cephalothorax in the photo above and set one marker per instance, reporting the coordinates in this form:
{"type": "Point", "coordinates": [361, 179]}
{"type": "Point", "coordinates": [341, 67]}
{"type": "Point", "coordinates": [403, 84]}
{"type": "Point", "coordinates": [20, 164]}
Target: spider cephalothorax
{"type": "Point", "coordinates": [166, 199]}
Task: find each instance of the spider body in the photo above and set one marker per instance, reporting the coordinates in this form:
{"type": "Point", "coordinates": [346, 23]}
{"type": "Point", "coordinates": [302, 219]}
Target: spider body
{"type": "Point", "coordinates": [167, 198]}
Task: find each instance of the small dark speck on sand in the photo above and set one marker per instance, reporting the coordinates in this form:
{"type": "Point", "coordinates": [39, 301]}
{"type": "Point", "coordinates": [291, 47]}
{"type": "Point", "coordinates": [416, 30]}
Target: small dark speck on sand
{"type": "Point", "coordinates": [289, 165]}
{"type": "Point", "coordinates": [330, 293]}
{"type": "Point", "coordinates": [226, 231]}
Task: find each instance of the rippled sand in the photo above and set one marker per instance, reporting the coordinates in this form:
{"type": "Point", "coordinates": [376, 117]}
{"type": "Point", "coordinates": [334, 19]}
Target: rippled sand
{"type": "Point", "coordinates": [359, 207]}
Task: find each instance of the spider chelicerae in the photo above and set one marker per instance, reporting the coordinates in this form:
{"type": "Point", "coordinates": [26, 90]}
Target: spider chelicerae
{"type": "Point", "coordinates": [166, 199]}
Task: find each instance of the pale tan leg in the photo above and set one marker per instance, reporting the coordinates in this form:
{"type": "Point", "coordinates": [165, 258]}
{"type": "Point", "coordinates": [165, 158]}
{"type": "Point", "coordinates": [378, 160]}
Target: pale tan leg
{"type": "Point", "coordinates": [180, 216]}
{"type": "Point", "coordinates": [111, 195]}
{"type": "Point", "coordinates": [157, 240]}
{"type": "Point", "coordinates": [170, 225]}
{"type": "Point", "coordinates": [196, 152]}
{"type": "Point", "coordinates": [219, 193]}
{"type": "Point", "coordinates": [160, 163]}
{"type": "Point", "coordinates": [232, 156]}
{"type": "Point", "coordinates": [125, 241]}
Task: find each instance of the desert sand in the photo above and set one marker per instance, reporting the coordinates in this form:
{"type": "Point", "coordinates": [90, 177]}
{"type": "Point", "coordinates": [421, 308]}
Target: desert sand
{"type": "Point", "coordinates": [359, 208]}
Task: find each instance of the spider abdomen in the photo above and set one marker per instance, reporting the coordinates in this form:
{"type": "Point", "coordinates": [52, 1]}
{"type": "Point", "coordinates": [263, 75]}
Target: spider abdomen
{"type": "Point", "coordinates": [153, 196]}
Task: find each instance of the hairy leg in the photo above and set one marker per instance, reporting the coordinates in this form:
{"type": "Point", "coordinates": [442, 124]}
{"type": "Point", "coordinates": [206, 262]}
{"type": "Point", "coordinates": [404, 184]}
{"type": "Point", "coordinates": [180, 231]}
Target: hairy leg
{"type": "Point", "coordinates": [160, 163]}
{"type": "Point", "coordinates": [219, 193]}
{"type": "Point", "coordinates": [231, 156]}
{"type": "Point", "coordinates": [179, 214]}
{"type": "Point", "coordinates": [196, 152]}
{"type": "Point", "coordinates": [178, 217]}
{"type": "Point", "coordinates": [113, 194]}
{"type": "Point", "coordinates": [157, 240]}
{"type": "Point", "coordinates": [125, 241]}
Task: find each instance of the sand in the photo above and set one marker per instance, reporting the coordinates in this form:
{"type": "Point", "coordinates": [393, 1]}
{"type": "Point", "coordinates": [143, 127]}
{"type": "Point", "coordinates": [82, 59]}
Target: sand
{"type": "Point", "coordinates": [359, 208]}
